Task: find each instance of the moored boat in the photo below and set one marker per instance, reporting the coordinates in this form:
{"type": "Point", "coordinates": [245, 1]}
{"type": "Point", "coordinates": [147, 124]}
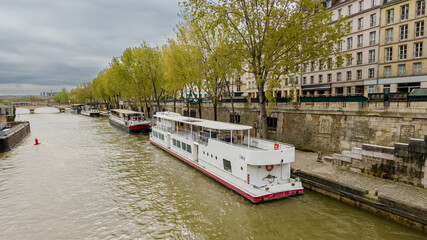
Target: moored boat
{"type": "Point", "coordinates": [257, 169]}
{"type": "Point", "coordinates": [76, 108]}
{"type": "Point", "coordinates": [129, 121]}
{"type": "Point", "coordinates": [90, 111]}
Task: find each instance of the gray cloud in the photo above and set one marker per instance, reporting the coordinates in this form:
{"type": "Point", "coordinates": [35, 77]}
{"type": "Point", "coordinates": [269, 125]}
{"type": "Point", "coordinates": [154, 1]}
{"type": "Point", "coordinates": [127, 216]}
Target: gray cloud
{"type": "Point", "coordinates": [49, 44]}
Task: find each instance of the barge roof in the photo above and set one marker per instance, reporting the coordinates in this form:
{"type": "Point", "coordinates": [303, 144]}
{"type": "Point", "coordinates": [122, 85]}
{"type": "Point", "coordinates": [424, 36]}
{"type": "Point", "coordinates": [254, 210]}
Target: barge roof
{"type": "Point", "coordinates": [124, 111]}
{"type": "Point", "coordinates": [201, 122]}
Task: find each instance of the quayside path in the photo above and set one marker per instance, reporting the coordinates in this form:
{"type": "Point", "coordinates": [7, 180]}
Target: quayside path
{"type": "Point", "coordinates": [410, 199]}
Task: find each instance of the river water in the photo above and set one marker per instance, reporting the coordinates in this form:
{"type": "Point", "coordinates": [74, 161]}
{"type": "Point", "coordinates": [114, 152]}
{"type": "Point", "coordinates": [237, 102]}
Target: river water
{"type": "Point", "coordinates": [89, 180]}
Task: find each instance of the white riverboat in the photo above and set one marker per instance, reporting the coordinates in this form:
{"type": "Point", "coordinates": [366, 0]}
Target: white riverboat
{"type": "Point", "coordinates": [129, 121]}
{"type": "Point", "coordinates": [256, 168]}
{"type": "Point", "coordinates": [90, 111]}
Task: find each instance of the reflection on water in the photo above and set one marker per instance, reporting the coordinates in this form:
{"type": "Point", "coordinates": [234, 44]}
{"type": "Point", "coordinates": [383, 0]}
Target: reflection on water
{"type": "Point", "coordinates": [88, 180]}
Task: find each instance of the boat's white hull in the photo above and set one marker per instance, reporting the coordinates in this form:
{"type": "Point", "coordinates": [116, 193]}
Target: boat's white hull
{"type": "Point", "coordinates": [232, 181]}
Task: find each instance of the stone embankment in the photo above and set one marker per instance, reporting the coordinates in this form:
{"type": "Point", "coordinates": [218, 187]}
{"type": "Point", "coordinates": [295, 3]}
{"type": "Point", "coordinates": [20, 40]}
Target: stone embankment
{"type": "Point", "coordinates": [400, 202]}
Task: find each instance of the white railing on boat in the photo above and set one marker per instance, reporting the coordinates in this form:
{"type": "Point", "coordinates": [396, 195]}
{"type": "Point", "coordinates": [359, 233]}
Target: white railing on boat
{"type": "Point", "coordinates": [255, 144]}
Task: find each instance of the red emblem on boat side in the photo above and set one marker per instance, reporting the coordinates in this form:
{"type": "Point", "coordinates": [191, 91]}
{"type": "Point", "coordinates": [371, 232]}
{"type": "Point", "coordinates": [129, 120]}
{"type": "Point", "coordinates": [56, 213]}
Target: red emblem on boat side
{"type": "Point", "coordinates": [276, 146]}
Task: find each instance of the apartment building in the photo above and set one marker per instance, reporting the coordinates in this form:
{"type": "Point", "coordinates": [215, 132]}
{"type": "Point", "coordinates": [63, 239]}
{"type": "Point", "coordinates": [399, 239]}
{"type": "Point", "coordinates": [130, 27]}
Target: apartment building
{"type": "Point", "coordinates": [289, 86]}
{"type": "Point", "coordinates": [403, 61]}
{"type": "Point", "coordinates": [360, 45]}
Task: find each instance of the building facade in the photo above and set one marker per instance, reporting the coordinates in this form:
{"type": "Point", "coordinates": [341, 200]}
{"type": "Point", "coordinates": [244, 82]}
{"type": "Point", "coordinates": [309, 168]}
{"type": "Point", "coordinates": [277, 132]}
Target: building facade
{"type": "Point", "coordinates": [360, 47]}
{"type": "Point", "coordinates": [403, 61]}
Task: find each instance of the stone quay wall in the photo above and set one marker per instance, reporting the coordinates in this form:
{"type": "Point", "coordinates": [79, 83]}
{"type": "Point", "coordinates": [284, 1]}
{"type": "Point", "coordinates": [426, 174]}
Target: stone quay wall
{"type": "Point", "coordinates": [330, 128]}
{"type": "Point", "coordinates": [403, 162]}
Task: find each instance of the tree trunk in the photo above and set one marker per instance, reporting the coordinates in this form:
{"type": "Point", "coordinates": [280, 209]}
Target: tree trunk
{"type": "Point", "coordinates": [263, 110]}
{"type": "Point", "coordinates": [215, 105]}
{"type": "Point", "coordinates": [174, 104]}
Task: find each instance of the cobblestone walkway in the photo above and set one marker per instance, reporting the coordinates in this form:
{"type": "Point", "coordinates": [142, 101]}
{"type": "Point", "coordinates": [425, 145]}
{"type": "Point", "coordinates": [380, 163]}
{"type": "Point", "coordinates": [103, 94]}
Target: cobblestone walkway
{"type": "Point", "coordinates": [404, 193]}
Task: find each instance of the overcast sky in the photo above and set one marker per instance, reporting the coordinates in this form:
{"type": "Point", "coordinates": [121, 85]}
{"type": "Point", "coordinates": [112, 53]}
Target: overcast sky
{"type": "Point", "coordinates": [49, 44]}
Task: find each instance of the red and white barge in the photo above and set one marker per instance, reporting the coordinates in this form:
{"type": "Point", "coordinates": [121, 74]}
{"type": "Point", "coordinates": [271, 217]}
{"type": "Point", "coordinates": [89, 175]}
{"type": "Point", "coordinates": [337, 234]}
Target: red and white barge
{"type": "Point", "coordinates": [255, 168]}
{"type": "Point", "coordinates": [129, 121]}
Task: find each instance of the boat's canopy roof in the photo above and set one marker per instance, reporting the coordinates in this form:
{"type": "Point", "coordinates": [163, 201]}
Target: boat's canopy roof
{"type": "Point", "coordinates": [124, 111]}
{"type": "Point", "coordinates": [201, 122]}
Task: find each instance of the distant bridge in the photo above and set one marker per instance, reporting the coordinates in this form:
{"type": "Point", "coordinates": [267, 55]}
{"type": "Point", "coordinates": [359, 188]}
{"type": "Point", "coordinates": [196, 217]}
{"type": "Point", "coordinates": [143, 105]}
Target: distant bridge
{"type": "Point", "coordinates": [34, 105]}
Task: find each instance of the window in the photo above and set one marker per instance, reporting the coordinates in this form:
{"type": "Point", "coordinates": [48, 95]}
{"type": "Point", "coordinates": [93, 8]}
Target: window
{"type": "Point", "coordinates": [418, 47]}
{"type": "Point", "coordinates": [304, 68]}
{"type": "Point", "coordinates": [338, 77]}
{"type": "Point", "coordinates": [311, 79]}
{"type": "Point", "coordinates": [174, 141]}
{"type": "Point", "coordinates": [184, 146]}
{"type": "Point", "coordinates": [361, 6]}
{"type": "Point", "coordinates": [227, 165]}
{"type": "Point", "coordinates": [329, 77]}
{"type": "Point", "coordinates": [403, 32]}
{"type": "Point", "coordinates": [419, 29]}
{"type": "Point", "coordinates": [312, 66]}
{"type": "Point", "coordinates": [402, 52]}
{"type": "Point", "coordinates": [348, 75]}
{"type": "Point", "coordinates": [404, 12]}
{"type": "Point", "coordinates": [421, 6]}
{"type": "Point", "coordinates": [178, 144]}
{"type": "Point", "coordinates": [371, 89]}
{"type": "Point", "coordinates": [350, 8]}
{"type": "Point", "coordinates": [359, 57]}
{"type": "Point", "coordinates": [417, 68]}
{"type": "Point", "coordinates": [349, 60]}
{"type": "Point", "coordinates": [320, 78]}
{"type": "Point", "coordinates": [373, 21]}
{"type": "Point", "coordinates": [360, 24]}
{"type": "Point", "coordinates": [388, 54]}
{"type": "Point", "coordinates": [372, 38]}
{"type": "Point", "coordinates": [389, 35]}
{"type": "Point", "coordinates": [234, 118]}
{"type": "Point", "coordinates": [359, 74]}
{"type": "Point", "coordinates": [387, 71]}
{"type": "Point", "coordinates": [328, 3]}
{"type": "Point", "coordinates": [372, 56]}
{"type": "Point", "coordinates": [386, 88]}
{"type": "Point", "coordinates": [329, 63]}
{"type": "Point", "coordinates": [402, 69]}
{"type": "Point", "coordinates": [350, 23]}
{"type": "Point", "coordinates": [340, 45]}
{"type": "Point", "coordinates": [188, 148]}
{"type": "Point", "coordinates": [349, 43]}
{"type": "Point", "coordinates": [390, 16]}
{"type": "Point", "coordinates": [304, 80]}
{"type": "Point", "coordinates": [320, 65]}
{"type": "Point", "coordinates": [272, 122]}
{"type": "Point", "coordinates": [371, 73]}
{"type": "Point", "coordinates": [360, 41]}
{"type": "Point", "coordinates": [296, 83]}
{"type": "Point", "coordinates": [374, 3]}
{"type": "Point", "coordinates": [339, 13]}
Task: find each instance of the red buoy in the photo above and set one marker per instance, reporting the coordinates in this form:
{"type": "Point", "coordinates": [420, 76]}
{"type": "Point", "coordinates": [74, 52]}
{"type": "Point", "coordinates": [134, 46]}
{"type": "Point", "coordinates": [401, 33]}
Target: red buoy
{"type": "Point", "coordinates": [37, 142]}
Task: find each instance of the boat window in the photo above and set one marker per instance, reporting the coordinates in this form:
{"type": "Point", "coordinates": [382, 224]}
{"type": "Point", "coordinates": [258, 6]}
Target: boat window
{"type": "Point", "coordinates": [211, 156]}
{"type": "Point", "coordinates": [184, 146]}
{"type": "Point", "coordinates": [216, 158]}
{"type": "Point", "coordinates": [188, 148]}
{"type": "Point", "coordinates": [174, 141]}
{"type": "Point", "coordinates": [227, 165]}
{"type": "Point", "coordinates": [178, 143]}
{"type": "Point", "coordinates": [203, 152]}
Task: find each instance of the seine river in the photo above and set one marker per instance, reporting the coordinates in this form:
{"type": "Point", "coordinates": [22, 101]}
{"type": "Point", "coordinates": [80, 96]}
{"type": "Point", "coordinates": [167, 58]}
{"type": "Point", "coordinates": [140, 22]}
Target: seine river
{"type": "Point", "coordinates": [89, 180]}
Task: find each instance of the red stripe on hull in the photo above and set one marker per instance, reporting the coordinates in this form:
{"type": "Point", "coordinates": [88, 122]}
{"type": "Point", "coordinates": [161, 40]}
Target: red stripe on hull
{"type": "Point", "coordinates": [142, 126]}
{"type": "Point", "coordinates": [238, 190]}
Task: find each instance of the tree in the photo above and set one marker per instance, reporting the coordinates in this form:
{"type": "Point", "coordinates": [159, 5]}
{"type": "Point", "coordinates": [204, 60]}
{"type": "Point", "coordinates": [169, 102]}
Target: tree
{"type": "Point", "coordinates": [273, 38]}
{"type": "Point", "coordinates": [149, 69]}
{"type": "Point", "coordinates": [61, 97]}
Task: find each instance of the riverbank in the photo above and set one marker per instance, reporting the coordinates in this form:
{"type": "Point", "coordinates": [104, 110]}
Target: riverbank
{"type": "Point", "coordinates": [399, 202]}
{"type": "Point", "coordinates": [14, 134]}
